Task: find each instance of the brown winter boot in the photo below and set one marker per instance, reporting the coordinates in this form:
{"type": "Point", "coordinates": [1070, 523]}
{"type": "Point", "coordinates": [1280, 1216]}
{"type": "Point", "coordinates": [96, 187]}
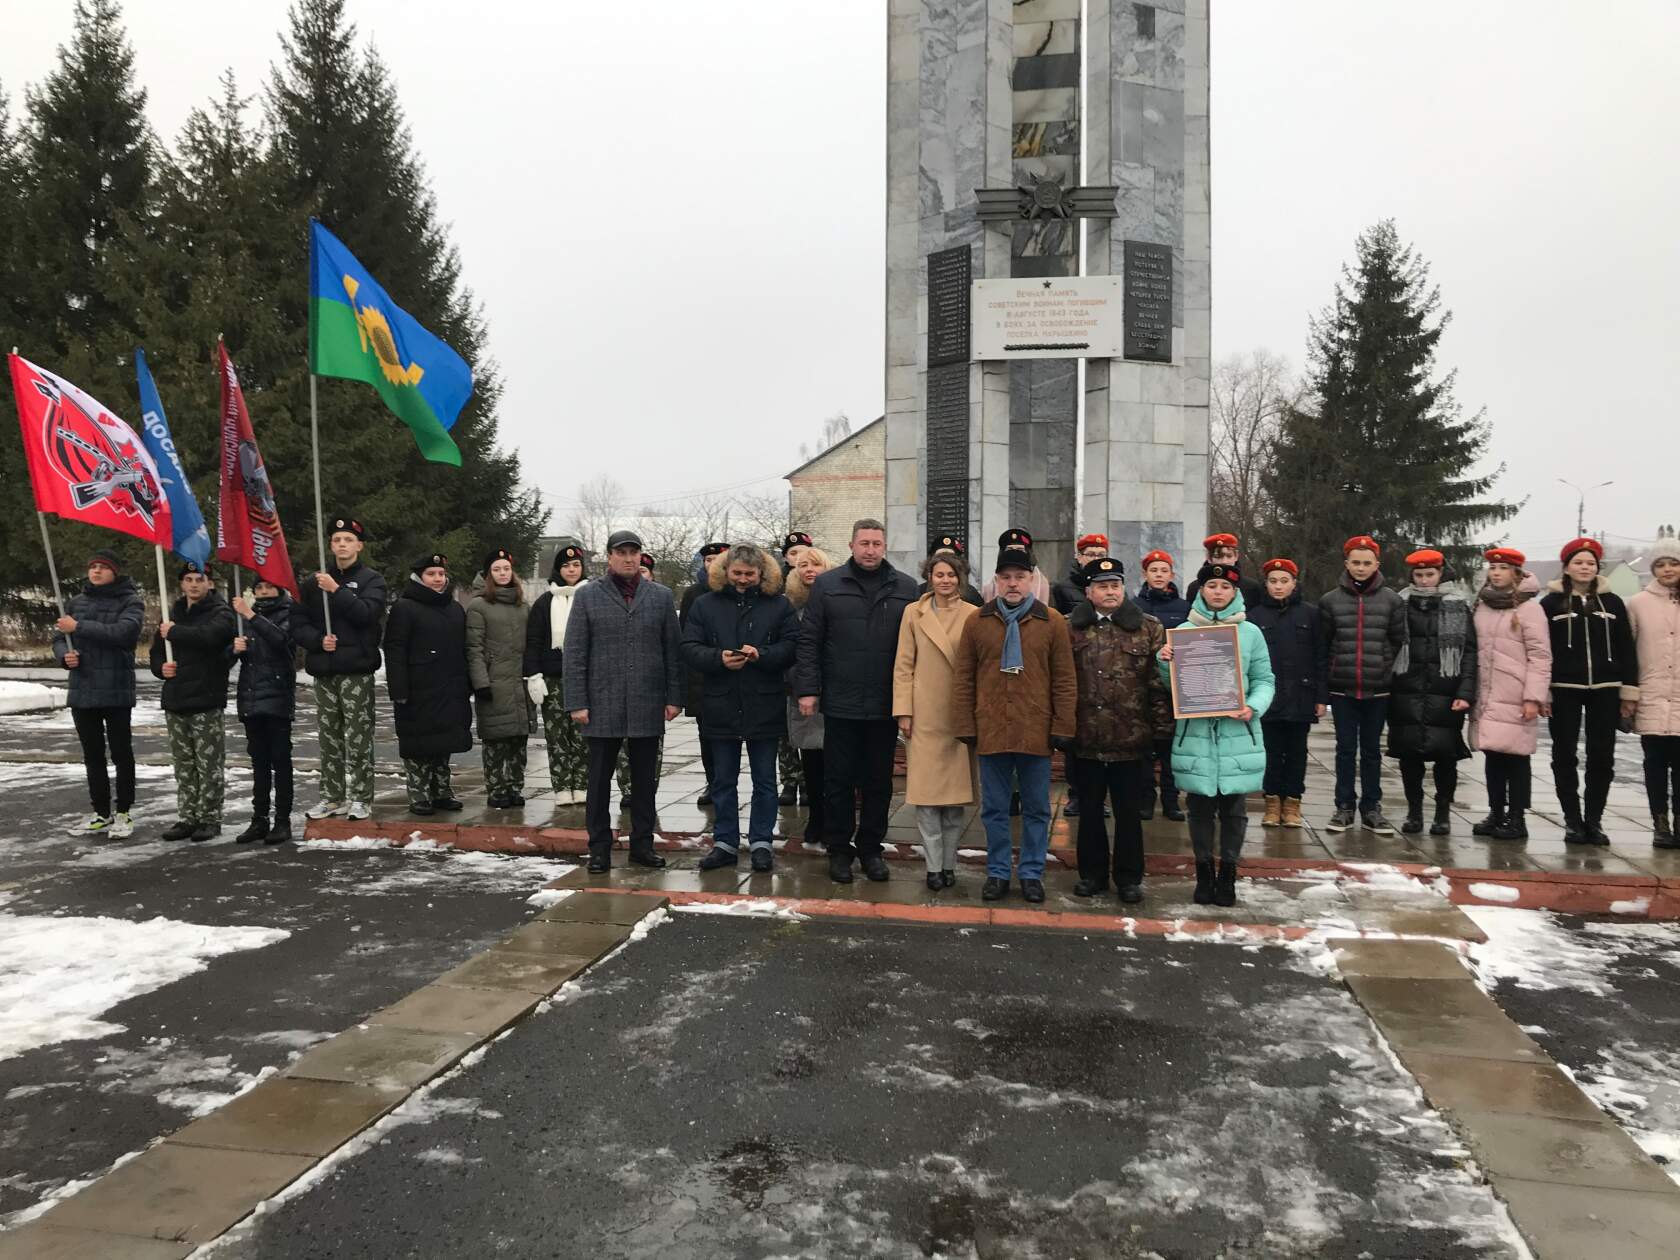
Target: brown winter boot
{"type": "Point", "coordinates": [1292, 811]}
{"type": "Point", "coordinates": [1274, 812]}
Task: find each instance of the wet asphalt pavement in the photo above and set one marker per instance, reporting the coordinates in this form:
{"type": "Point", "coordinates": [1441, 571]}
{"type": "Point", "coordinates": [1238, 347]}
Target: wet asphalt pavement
{"type": "Point", "coordinates": [746, 1088]}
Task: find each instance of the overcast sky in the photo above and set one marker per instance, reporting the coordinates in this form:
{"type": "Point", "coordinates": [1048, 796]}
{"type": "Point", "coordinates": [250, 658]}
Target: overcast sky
{"type": "Point", "coordinates": [673, 213]}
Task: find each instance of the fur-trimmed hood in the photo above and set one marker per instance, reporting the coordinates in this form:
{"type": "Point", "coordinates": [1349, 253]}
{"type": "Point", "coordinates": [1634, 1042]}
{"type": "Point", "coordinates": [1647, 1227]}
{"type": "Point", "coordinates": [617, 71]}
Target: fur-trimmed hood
{"type": "Point", "coordinates": [769, 578]}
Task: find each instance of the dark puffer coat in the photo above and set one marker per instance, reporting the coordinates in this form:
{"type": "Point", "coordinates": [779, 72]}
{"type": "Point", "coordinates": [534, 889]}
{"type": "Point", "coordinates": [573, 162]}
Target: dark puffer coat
{"type": "Point", "coordinates": [1421, 721]}
{"type": "Point", "coordinates": [1366, 630]}
{"type": "Point", "coordinates": [1166, 606]}
{"type": "Point", "coordinates": [267, 675]}
{"type": "Point", "coordinates": [746, 703]}
{"type": "Point", "coordinates": [426, 673]}
{"type": "Point", "coordinates": [358, 612]}
{"type": "Point", "coordinates": [201, 637]}
{"type": "Point", "coordinates": [108, 621]}
{"type": "Point", "coordinates": [1592, 641]}
{"type": "Point", "coordinates": [1300, 655]}
{"type": "Point", "coordinates": [1123, 702]}
{"type": "Point", "coordinates": [849, 641]}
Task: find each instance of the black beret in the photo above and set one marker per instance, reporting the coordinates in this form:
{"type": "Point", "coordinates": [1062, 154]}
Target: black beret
{"type": "Point", "coordinates": [432, 560]}
{"type": "Point", "coordinates": [948, 542]}
{"type": "Point", "coordinates": [192, 566]}
{"type": "Point", "coordinates": [798, 538]}
{"type": "Point", "coordinates": [1015, 537]}
{"type": "Point", "coordinates": [501, 553]}
{"type": "Point", "coordinates": [1226, 572]}
{"type": "Point", "coordinates": [717, 549]}
{"type": "Point", "coordinates": [346, 525]}
{"type": "Point", "coordinates": [646, 562]}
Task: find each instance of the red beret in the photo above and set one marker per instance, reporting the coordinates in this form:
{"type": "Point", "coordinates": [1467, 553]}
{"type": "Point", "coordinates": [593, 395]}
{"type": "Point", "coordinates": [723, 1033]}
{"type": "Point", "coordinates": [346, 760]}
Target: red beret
{"type": "Point", "coordinates": [1427, 558]}
{"type": "Point", "coordinates": [1361, 542]}
{"type": "Point", "coordinates": [1280, 565]}
{"type": "Point", "coordinates": [1505, 555]}
{"type": "Point", "coordinates": [1219, 540]}
{"type": "Point", "coordinates": [1153, 556]}
{"type": "Point", "coordinates": [1570, 549]}
{"type": "Point", "coordinates": [1091, 540]}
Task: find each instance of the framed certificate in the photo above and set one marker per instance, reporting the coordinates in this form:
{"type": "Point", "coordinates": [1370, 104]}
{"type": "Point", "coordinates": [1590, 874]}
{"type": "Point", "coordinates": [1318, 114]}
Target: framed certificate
{"type": "Point", "coordinates": [1206, 668]}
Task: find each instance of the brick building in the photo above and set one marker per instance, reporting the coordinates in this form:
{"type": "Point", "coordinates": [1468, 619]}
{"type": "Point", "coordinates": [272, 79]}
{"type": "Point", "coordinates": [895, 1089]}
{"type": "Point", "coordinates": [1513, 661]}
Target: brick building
{"type": "Point", "coordinates": [844, 483]}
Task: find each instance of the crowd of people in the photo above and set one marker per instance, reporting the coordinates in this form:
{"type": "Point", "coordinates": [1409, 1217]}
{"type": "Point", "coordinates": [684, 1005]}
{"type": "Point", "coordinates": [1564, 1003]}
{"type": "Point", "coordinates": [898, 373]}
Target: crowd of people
{"type": "Point", "coordinates": [817, 672]}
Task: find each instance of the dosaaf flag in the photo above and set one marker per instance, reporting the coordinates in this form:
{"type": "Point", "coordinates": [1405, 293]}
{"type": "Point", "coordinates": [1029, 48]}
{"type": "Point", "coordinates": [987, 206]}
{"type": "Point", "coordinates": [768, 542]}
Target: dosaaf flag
{"type": "Point", "coordinates": [85, 464]}
{"type": "Point", "coordinates": [248, 524]}
{"type": "Point", "coordinates": [192, 540]}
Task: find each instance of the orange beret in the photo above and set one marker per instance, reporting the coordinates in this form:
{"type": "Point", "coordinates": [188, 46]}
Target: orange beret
{"type": "Point", "coordinates": [1219, 540]}
{"type": "Point", "coordinates": [1280, 565]}
{"type": "Point", "coordinates": [1361, 542]}
{"type": "Point", "coordinates": [1570, 549]}
{"type": "Point", "coordinates": [1427, 558]}
{"type": "Point", "coordinates": [1091, 540]}
{"type": "Point", "coordinates": [1505, 555]}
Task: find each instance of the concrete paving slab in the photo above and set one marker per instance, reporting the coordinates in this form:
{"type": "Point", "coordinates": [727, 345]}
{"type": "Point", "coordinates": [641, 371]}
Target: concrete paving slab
{"type": "Point", "coordinates": [384, 1057]}
{"type": "Point", "coordinates": [186, 1193]}
{"type": "Point", "coordinates": [566, 940]}
{"type": "Point", "coordinates": [1461, 1084]}
{"type": "Point", "coordinates": [450, 1008]}
{"type": "Point", "coordinates": [1569, 1152]}
{"type": "Point", "coordinates": [1451, 1017]}
{"type": "Point", "coordinates": [1410, 960]}
{"type": "Point", "coordinates": [1590, 1222]}
{"type": "Point", "coordinates": [602, 907]}
{"type": "Point", "coordinates": [509, 969]}
{"type": "Point", "coordinates": [46, 1242]}
{"type": "Point", "coordinates": [292, 1116]}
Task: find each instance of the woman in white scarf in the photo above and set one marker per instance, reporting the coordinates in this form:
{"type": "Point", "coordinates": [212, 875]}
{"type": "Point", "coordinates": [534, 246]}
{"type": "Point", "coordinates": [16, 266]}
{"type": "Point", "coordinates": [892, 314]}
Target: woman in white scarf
{"type": "Point", "coordinates": [545, 635]}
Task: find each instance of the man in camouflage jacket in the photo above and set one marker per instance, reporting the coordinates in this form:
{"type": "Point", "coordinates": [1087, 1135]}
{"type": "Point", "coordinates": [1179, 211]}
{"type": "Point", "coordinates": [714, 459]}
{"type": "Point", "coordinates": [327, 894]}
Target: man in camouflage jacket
{"type": "Point", "coordinates": [1123, 710]}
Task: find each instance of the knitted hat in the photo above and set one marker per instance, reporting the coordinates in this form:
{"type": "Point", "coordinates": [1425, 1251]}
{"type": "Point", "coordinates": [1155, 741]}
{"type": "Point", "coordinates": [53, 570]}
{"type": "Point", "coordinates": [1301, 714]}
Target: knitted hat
{"type": "Point", "coordinates": [345, 525]}
{"type": "Point", "coordinates": [1666, 547]}
{"type": "Point", "coordinates": [797, 538]}
{"type": "Point", "coordinates": [107, 558]}
{"type": "Point", "coordinates": [1578, 545]}
{"type": "Point", "coordinates": [1427, 558]}
{"type": "Point", "coordinates": [1220, 540]}
{"type": "Point", "coordinates": [1361, 542]}
{"type": "Point", "coordinates": [1103, 569]}
{"type": "Point", "coordinates": [501, 553]}
{"type": "Point", "coordinates": [1281, 565]}
{"type": "Point", "coordinates": [1014, 558]}
{"type": "Point", "coordinates": [1222, 572]}
{"type": "Point", "coordinates": [1506, 555]}
{"type": "Point", "coordinates": [432, 560]}
{"type": "Point", "coordinates": [1162, 556]}
{"type": "Point", "coordinates": [563, 557]}
{"type": "Point", "coordinates": [1091, 540]}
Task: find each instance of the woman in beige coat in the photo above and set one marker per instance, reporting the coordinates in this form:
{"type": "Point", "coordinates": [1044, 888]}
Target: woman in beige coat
{"type": "Point", "coordinates": [942, 778]}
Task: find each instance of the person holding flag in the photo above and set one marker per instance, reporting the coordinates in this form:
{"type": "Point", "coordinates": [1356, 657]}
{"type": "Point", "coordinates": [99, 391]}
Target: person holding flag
{"type": "Point", "coordinates": [199, 629]}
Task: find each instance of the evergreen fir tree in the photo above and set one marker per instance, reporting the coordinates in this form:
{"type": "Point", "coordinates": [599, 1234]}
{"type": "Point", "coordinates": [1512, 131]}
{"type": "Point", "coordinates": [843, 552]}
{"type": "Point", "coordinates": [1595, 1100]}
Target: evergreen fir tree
{"type": "Point", "coordinates": [1381, 446]}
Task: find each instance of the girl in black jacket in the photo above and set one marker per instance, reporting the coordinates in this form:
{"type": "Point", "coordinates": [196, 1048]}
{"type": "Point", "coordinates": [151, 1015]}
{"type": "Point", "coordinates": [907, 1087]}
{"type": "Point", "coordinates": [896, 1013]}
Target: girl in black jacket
{"type": "Point", "coordinates": [95, 641]}
{"type": "Point", "coordinates": [1300, 657]}
{"type": "Point", "coordinates": [266, 699]}
{"type": "Point", "coordinates": [1594, 668]}
{"type": "Point", "coordinates": [1434, 687]}
{"type": "Point", "coordinates": [431, 692]}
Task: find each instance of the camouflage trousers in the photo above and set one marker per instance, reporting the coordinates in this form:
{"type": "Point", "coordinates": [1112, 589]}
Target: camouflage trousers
{"type": "Point", "coordinates": [791, 767]}
{"type": "Point", "coordinates": [568, 759]}
{"type": "Point", "coordinates": [344, 704]}
{"type": "Point", "coordinates": [198, 749]}
{"type": "Point", "coordinates": [428, 779]}
{"type": "Point", "coordinates": [624, 766]}
{"type": "Point", "coordinates": [504, 765]}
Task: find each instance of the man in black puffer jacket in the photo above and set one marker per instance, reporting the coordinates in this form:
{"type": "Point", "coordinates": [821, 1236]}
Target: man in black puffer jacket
{"type": "Point", "coordinates": [847, 647]}
{"type": "Point", "coordinates": [343, 664]}
{"type": "Point", "coordinates": [199, 630]}
{"type": "Point", "coordinates": [1365, 624]}
{"type": "Point", "coordinates": [95, 641]}
{"type": "Point", "coordinates": [267, 699]}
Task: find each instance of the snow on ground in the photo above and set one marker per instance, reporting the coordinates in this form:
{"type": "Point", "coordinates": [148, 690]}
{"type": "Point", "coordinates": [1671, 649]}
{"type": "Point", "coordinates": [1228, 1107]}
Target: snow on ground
{"type": "Point", "coordinates": [428, 864]}
{"type": "Point", "coordinates": [147, 712]}
{"type": "Point", "coordinates": [59, 974]}
{"type": "Point", "coordinates": [30, 697]}
{"type": "Point", "coordinates": [1637, 1083]}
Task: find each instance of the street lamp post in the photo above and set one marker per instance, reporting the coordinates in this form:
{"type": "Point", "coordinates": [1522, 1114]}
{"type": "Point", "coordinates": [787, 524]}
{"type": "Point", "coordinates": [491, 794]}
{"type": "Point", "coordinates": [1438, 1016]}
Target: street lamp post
{"type": "Point", "coordinates": [1581, 504]}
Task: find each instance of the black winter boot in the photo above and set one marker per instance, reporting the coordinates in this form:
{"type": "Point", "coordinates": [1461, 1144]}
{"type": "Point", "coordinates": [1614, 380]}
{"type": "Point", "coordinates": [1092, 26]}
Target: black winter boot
{"type": "Point", "coordinates": [1225, 888]}
{"type": "Point", "coordinates": [1574, 831]}
{"type": "Point", "coordinates": [280, 832]}
{"type": "Point", "coordinates": [1491, 824]}
{"type": "Point", "coordinates": [1443, 819]}
{"type": "Point", "coordinates": [1512, 828]}
{"type": "Point", "coordinates": [1662, 835]}
{"type": "Point", "coordinates": [258, 830]}
{"type": "Point", "coordinates": [1414, 816]}
{"type": "Point", "coordinates": [1203, 895]}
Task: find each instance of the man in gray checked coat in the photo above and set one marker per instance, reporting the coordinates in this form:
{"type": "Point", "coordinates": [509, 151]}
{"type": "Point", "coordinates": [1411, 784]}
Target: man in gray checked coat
{"type": "Point", "coordinates": [622, 676]}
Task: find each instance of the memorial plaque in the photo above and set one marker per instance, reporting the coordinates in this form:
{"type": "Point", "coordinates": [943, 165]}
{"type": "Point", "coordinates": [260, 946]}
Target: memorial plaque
{"type": "Point", "coordinates": [948, 275]}
{"type": "Point", "coordinates": [947, 422]}
{"type": "Point", "coordinates": [1066, 317]}
{"type": "Point", "coordinates": [1206, 669]}
{"type": "Point", "coordinates": [947, 509]}
{"type": "Point", "coordinates": [1149, 307]}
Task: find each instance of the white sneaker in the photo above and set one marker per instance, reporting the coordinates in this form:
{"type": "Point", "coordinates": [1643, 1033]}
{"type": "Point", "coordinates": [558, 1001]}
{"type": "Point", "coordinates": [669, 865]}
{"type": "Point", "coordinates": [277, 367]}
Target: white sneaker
{"type": "Point", "coordinates": [357, 809]}
{"type": "Point", "coordinates": [326, 809]}
{"type": "Point", "coordinates": [122, 826]}
{"type": "Point", "coordinates": [92, 825]}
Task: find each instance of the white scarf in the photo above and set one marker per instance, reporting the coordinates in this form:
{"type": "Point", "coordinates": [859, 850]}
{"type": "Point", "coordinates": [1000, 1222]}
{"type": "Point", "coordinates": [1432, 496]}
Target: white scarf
{"type": "Point", "coordinates": [559, 609]}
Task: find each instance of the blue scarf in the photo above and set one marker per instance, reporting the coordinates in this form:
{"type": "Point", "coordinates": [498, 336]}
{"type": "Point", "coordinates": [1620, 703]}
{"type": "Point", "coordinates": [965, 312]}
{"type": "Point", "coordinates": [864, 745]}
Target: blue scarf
{"type": "Point", "coordinates": [1012, 663]}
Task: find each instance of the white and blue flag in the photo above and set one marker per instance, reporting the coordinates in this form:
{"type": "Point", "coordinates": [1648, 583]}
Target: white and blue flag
{"type": "Point", "coordinates": [192, 540]}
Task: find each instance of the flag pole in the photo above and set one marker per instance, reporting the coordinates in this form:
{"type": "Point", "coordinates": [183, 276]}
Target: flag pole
{"type": "Point", "coordinates": [163, 600]}
{"type": "Point", "coordinates": [52, 570]}
{"type": "Point", "coordinates": [237, 619]}
{"type": "Point", "coordinates": [320, 519]}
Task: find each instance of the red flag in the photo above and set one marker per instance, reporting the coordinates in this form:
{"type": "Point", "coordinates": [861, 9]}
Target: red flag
{"type": "Point", "coordinates": [248, 526]}
{"type": "Point", "coordinates": [84, 463]}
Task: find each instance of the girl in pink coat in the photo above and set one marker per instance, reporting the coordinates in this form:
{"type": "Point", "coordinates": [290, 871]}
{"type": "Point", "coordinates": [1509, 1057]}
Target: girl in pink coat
{"type": "Point", "coordinates": [1654, 616]}
{"type": "Point", "coordinates": [1513, 679]}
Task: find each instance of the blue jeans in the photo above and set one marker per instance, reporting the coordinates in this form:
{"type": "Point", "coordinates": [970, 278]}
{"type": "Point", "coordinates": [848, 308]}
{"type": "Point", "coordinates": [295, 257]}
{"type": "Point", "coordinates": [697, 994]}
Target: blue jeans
{"type": "Point", "coordinates": [998, 772]}
{"type": "Point", "coordinates": [726, 788]}
{"type": "Point", "coordinates": [1359, 732]}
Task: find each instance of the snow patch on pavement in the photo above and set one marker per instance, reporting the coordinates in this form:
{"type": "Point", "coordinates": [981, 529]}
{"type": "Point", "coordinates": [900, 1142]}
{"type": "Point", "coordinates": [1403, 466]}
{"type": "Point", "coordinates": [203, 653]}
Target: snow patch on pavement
{"type": "Point", "coordinates": [59, 974]}
{"type": "Point", "coordinates": [28, 697]}
{"type": "Point", "coordinates": [1495, 892]}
